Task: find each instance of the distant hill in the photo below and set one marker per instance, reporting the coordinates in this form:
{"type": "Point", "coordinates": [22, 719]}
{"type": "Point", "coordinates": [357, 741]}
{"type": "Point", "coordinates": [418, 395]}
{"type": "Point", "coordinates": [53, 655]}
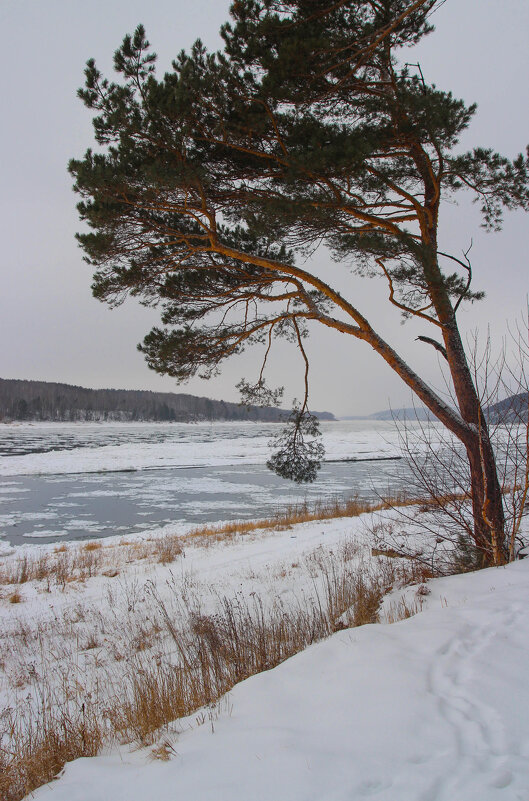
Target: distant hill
{"type": "Point", "coordinates": [42, 400]}
{"type": "Point", "coordinates": [512, 409]}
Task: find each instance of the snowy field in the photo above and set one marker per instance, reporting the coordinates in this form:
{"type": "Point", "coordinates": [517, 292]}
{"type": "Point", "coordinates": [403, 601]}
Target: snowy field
{"type": "Point", "coordinates": [80, 480]}
{"type": "Point", "coordinates": [433, 708]}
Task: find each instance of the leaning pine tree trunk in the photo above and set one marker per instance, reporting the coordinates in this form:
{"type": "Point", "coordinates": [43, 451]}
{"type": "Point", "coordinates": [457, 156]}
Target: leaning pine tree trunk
{"type": "Point", "coordinates": [470, 428]}
{"type": "Point", "coordinates": [485, 489]}
{"type": "Point", "coordinates": [487, 502]}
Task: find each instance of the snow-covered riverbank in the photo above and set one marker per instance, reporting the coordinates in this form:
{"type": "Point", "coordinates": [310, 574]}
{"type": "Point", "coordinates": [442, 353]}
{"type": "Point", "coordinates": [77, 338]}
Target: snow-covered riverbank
{"type": "Point", "coordinates": [434, 707]}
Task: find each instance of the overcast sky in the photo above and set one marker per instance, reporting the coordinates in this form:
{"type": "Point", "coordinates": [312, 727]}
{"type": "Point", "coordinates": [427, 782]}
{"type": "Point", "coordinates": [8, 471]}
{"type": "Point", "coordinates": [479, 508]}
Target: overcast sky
{"type": "Point", "coordinates": [53, 330]}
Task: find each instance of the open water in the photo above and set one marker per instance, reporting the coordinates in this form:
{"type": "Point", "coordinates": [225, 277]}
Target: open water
{"type": "Point", "coordinates": [82, 481]}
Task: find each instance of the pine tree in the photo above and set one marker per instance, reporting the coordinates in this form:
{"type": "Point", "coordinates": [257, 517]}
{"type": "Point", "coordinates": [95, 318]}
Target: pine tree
{"type": "Point", "coordinates": [214, 180]}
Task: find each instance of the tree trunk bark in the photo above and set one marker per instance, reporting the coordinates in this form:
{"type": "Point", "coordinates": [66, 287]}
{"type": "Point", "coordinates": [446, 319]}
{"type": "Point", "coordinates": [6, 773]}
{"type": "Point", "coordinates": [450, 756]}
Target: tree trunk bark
{"type": "Point", "coordinates": [487, 502]}
{"type": "Point", "coordinates": [485, 489]}
{"type": "Point", "coordinates": [471, 430]}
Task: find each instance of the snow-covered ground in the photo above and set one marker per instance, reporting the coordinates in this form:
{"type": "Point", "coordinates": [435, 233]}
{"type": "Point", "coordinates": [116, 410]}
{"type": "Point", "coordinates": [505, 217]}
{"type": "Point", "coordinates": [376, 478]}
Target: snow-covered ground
{"type": "Point", "coordinates": [433, 708]}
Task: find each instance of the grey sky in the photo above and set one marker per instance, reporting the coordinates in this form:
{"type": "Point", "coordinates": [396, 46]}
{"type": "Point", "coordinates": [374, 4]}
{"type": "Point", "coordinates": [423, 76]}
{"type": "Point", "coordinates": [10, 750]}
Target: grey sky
{"type": "Point", "coordinates": [51, 327]}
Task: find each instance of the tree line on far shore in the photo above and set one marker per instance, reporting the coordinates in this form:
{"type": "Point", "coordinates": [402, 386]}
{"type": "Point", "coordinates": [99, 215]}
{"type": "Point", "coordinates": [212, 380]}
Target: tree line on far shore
{"type": "Point", "coordinates": [40, 400]}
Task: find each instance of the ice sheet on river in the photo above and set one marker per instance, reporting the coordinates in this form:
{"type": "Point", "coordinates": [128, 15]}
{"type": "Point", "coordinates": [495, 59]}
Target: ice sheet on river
{"type": "Point", "coordinates": [69, 448]}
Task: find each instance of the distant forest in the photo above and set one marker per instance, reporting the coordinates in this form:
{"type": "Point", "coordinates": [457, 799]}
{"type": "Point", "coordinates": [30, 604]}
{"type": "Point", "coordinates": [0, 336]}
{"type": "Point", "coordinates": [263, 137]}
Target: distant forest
{"type": "Point", "coordinates": [40, 400]}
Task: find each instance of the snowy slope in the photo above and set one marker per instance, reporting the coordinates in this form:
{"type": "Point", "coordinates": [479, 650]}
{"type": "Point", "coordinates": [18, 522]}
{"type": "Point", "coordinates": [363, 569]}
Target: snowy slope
{"type": "Point", "coordinates": [435, 708]}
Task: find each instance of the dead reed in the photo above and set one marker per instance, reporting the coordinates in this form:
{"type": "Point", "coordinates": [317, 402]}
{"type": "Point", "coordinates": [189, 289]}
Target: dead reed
{"type": "Point", "coordinates": [35, 748]}
{"type": "Point", "coordinates": [178, 657]}
{"type": "Point", "coordinates": [71, 563]}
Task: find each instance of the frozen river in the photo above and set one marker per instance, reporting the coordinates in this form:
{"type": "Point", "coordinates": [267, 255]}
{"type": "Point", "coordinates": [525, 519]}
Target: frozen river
{"type": "Point", "coordinates": [71, 481]}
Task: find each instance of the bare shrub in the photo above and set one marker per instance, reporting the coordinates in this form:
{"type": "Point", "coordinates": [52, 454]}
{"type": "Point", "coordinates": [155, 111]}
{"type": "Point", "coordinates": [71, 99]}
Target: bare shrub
{"type": "Point", "coordinates": [439, 468]}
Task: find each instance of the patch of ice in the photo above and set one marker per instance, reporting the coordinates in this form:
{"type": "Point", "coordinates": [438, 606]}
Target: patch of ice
{"type": "Point", "coordinates": [86, 525]}
{"type": "Point", "coordinates": [100, 494]}
{"type": "Point", "coordinates": [206, 505]}
{"type": "Point", "coordinates": [141, 447]}
{"type": "Point", "coordinates": [28, 516]}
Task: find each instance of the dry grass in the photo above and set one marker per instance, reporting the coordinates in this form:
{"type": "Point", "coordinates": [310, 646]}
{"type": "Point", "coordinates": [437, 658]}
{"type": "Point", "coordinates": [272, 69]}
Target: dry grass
{"type": "Point", "coordinates": [167, 548]}
{"type": "Point", "coordinates": [404, 609]}
{"type": "Point", "coordinates": [174, 658]}
{"type": "Point", "coordinates": [71, 563]}
{"type": "Point", "coordinates": [38, 747]}
{"type": "Point", "coordinates": [92, 546]}
{"type": "Point", "coordinates": [178, 657]}
{"type": "Point", "coordinates": [76, 563]}
{"type": "Point", "coordinates": [291, 516]}
{"type": "Point", "coordinates": [242, 637]}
